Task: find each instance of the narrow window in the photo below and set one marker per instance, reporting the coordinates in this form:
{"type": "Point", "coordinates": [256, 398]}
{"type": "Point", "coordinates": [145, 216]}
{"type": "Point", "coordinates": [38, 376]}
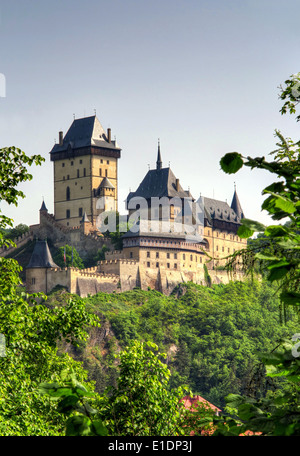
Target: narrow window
{"type": "Point", "coordinates": [106, 173]}
{"type": "Point", "coordinates": [68, 194]}
{"type": "Point", "coordinates": [157, 254]}
{"type": "Point", "coordinates": [100, 171]}
{"type": "Point", "coordinates": [68, 213]}
{"type": "Point", "coordinates": [84, 172]}
{"type": "Point", "coordinates": [80, 212]}
{"type": "Point", "coordinates": [148, 254]}
{"type": "Point", "coordinates": [131, 255]}
{"type": "Point", "coordinates": [157, 265]}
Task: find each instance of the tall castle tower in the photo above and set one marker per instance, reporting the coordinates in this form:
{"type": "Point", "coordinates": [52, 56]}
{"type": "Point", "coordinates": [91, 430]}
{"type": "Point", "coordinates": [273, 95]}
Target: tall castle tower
{"type": "Point", "coordinates": [85, 169]}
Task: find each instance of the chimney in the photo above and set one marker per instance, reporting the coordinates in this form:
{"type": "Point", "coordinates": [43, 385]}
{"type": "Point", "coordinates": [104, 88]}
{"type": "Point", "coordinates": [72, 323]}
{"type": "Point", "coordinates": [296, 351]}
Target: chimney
{"type": "Point", "coordinates": [61, 138]}
{"type": "Point", "coordinates": [177, 185]}
{"type": "Point", "coordinates": [109, 135]}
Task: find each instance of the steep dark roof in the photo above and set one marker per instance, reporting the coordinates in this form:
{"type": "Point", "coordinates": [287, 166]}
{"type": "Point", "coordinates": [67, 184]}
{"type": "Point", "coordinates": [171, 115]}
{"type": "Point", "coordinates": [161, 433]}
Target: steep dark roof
{"type": "Point", "coordinates": [236, 206]}
{"type": "Point", "coordinates": [85, 218]}
{"type": "Point", "coordinates": [85, 132]}
{"type": "Point", "coordinates": [219, 210]}
{"type": "Point", "coordinates": [43, 206]}
{"type": "Point", "coordinates": [41, 256]}
{"type": "Point", "coordinates": [158, 183]}
{"type": "Point", "coordinates": [106, 183]}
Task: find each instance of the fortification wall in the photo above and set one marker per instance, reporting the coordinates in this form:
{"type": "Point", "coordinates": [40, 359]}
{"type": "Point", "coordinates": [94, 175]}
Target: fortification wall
{"type": "Point", "coordinates": [60, 235]}
{"type": "Point", "coordinates": [19, 241]}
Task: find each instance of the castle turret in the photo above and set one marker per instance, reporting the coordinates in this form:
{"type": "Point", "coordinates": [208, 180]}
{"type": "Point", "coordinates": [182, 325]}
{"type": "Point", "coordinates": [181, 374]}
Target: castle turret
{"type": "Point", "coordinates": [43, 211]}
{"type": "Point", "coordinates": [36, 270]}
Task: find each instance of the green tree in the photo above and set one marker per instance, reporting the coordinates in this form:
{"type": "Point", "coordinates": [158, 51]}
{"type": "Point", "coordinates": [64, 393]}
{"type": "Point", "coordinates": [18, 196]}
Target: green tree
{"type": "Point", "coordinates": [72, 257]}
{"type": "Point", "coordinates": [29, 329]}
{"type": "Point", "coordinates": [13, 233]}
{"type": "Point", "coordinates": [142, 404]}
{"type": "Point", "coordinates": [276, 414]}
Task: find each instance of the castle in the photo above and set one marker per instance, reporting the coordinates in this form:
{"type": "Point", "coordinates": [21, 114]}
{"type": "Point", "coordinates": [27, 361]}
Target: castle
{"type": "Point", "coordinates": [167, 242]}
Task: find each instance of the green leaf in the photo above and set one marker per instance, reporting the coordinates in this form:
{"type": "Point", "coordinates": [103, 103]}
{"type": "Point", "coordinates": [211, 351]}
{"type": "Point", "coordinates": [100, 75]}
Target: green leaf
{"type": "Point", "coordinates": [244, 232]}
{"type": "Point", "coordinates": [277, 274]}
{"type": "Point", "coordinates": [275, 230]}
{"type": "Point", "coordinates": [231, 162]}
{"type": "Point", "coordinates": [284, 204]}
{"type": "Point", "coordinates": [98, 428]}
{"type": "Point", "coordinates": [67, 404]}
{"type": "Point", "coordinates": [78, 425]}
{"type": "Point", "coordinates": [290, 298]}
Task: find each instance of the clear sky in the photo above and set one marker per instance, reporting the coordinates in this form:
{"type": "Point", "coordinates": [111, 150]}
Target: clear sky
{"type": "Point", "coordinates": [201, 75]}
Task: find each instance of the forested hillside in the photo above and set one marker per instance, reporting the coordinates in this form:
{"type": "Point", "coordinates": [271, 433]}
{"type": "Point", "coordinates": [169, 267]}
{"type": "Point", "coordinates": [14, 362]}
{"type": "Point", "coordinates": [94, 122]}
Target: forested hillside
{"type": "Point", "coordinates": [211, 335]}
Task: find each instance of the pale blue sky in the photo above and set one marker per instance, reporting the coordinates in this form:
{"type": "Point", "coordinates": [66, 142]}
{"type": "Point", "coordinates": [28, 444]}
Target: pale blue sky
{"type": "Point", "coordinates": [202, 76]}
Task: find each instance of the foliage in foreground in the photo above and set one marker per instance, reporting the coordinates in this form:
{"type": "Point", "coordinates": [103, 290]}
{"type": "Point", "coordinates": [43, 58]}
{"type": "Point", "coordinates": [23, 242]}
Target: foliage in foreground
{"type": "Point", "coordinates": [30, 330]}
{"type": "Point", "coordinates": [141, 405]}
{"type": "Point", "coordinates": [279, 256]}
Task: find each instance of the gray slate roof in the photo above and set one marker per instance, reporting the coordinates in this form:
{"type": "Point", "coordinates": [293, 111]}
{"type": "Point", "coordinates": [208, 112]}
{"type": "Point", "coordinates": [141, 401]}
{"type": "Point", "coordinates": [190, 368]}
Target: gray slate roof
{"type": "Point", "coordinates": [236, 206]}
{"type": "Point", "coordinates": [85, 132]}
{"type": "Point", "coordinates": [158, 183]}
{"type": "Point", "coordinates": [219, 210]}
{"type": "Point", "coordinates": [41, 256]}
{"type": "Point", "coordinates": [106, 183]}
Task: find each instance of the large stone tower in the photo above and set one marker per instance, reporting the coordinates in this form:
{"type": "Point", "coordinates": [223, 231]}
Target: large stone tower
{"type": "Point", "coordinates": [85, 163]}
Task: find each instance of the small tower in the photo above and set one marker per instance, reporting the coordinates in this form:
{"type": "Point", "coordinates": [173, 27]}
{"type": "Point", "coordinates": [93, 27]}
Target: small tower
{"type": "Point", "coordinates": [86, 225]}
{"type": "Point", "coordinates": [37, 269]}
{"type": "Point", "coordinates": [106, 191]}
{"type": "Point", "coordinates": [43, 211]}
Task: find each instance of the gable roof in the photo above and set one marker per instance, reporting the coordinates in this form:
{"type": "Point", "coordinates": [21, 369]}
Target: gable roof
{"type": "Point", "coordinates": [158, 183]}
{"type": "Point", "coordinates": [85, 132]}
{"type": "Point", "coordinates": [219, 210]}
{"type": "Point", "coordinates": [41, 256]}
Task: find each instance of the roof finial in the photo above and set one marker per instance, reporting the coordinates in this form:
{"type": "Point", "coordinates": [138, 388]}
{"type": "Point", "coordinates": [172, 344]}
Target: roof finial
{"type": "Point", "coordinates": [158, 161]}
{"type": "Point", "coordinates": [234, 186]}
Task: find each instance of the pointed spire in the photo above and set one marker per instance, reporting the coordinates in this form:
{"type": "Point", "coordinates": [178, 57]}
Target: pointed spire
{"type": "Point", "coordinates": [41, 256]}
{"type": "Point", "coordinates": [236, 205]}
{"type": "Point", "coordinates": [43, 207]}
{"type": "Point", "coordinates": [84, 218]}
{"type": "Point", "coordinates": [158, 161]}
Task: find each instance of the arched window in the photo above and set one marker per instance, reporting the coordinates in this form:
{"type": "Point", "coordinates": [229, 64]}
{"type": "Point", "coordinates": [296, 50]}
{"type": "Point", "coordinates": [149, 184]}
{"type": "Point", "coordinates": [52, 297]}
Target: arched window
{"type": "Point", "coordinates": [68, 194]}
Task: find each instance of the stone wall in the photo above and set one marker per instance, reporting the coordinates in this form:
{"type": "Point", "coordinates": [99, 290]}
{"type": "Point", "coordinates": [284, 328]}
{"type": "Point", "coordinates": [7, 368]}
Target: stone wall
{"type": "Point", "coordinates": [60, 235]}
{"type": "Point", "coordinates": [19, 241]}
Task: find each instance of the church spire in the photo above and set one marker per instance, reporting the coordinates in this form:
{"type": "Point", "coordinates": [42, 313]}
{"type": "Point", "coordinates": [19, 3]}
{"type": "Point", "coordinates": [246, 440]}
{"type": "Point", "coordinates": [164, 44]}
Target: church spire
{"type": "Point", "coordinates": [158, 161]}
{"type": "Point", "coordinates": [236, 205]}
